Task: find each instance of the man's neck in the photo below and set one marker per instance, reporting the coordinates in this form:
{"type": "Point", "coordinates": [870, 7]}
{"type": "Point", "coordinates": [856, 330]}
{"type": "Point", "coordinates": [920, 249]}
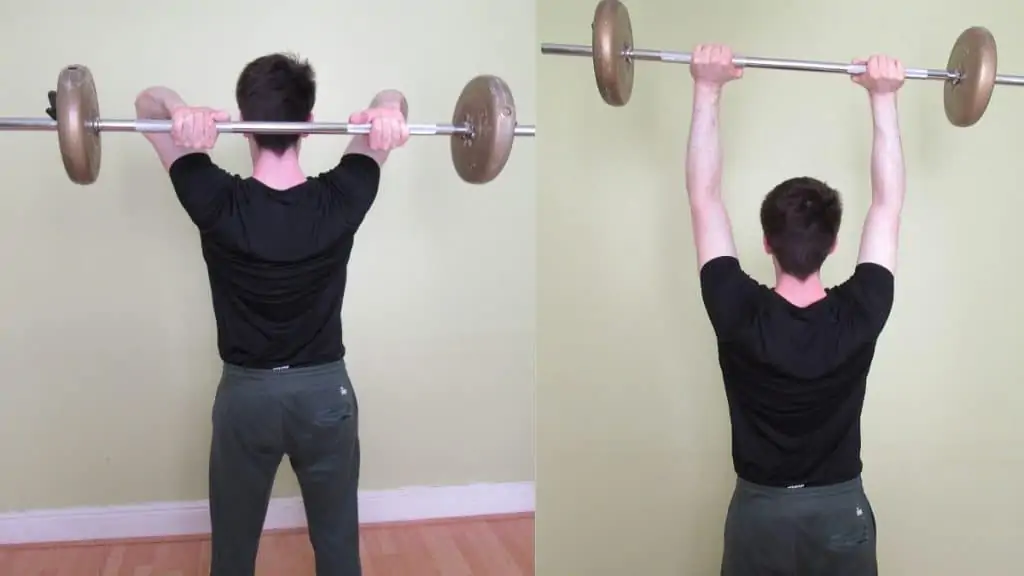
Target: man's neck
{"type": "Point", "coordinates": [278, 172]}
{"type": "Point", "coordinates": [800, 293]}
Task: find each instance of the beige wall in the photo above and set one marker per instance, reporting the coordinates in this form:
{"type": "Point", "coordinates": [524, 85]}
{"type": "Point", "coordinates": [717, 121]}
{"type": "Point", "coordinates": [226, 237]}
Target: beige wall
{"type": "Point", "coordinates": [634, 469]}
{"type": "Point", "coordinates": [108, 343]}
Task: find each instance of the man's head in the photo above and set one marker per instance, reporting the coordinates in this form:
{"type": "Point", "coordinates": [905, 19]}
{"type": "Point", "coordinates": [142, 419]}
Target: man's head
{"type": "Point", "coordinates": [276, 88]}
{"type": "Point", "coordinates": [800, 219]}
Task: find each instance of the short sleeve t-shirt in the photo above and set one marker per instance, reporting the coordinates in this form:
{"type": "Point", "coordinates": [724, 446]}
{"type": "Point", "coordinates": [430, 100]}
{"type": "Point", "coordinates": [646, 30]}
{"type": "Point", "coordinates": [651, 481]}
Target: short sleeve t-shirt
{"type": "Point", "coordinates": [795, 378]}
{"type": "Point", "coordinates": [277, 259]}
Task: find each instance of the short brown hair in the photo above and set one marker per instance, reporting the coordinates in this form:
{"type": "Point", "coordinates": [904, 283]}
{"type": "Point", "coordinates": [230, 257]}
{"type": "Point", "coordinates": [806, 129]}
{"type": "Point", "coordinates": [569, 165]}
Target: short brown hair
{"type": "Point", "coordinates": [800, 218]}
{"type": "Point", "coordinates": [276, 88]}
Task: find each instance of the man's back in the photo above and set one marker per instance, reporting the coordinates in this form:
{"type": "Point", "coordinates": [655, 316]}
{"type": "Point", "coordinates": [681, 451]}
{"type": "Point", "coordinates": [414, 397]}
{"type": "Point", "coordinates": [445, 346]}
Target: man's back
{"type": "Point", "coordinates": [277, 247]}
{"type": "Point", "coordinates": [277, 259]}
{"type": "Point", "coordinates": [795, 378]}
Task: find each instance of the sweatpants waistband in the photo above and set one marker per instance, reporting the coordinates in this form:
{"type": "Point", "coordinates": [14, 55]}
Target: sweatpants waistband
{"type": "Point", "coordinates": [847, 487]}
{"type": "Point", "coordinates": [336, 368]}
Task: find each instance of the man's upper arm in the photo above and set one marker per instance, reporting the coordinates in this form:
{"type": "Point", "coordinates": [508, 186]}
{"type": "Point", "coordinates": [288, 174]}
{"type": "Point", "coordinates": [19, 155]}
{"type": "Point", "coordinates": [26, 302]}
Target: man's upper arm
{"type": "Point", "coordinates": [203, 188]}
{"type": "Point", "coordinates": [870, 291]}
{"type": "Point", "coordinates": [712, 231]}
{"type": "Point", "coordinates": [353, 184]}
{"type": "Point", "coordinates": [879, 240]}
{"type": "Point", "coordinates": [730, 295]}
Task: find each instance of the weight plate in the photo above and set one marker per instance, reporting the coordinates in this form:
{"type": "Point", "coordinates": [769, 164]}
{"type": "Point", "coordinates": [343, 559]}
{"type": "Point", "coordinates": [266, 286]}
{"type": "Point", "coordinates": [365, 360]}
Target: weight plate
{"type": "Point", "coordinates": [486, 104]}
{"type": "Point", "coordinates": [974, 58]}
{"type": "Point", "coordinates": [612, 39]}
{"type": "Point", "coordinates": [77, 110]}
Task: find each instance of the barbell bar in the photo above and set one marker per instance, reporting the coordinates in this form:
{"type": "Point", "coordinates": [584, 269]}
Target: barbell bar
{"type": "Point", "coordinates": [482, 129]}
{"type": "Point", "coordinates": [969, 77]}
{"type": "Point", "coordinates": [164, 126]}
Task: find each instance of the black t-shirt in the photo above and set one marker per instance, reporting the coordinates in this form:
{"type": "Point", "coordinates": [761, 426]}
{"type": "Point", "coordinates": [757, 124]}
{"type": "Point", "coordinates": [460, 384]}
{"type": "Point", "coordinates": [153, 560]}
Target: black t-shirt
{"type": "Point", "coordinates": [795, 377]}
{"type": "Point", "coordinates": [277, 259]}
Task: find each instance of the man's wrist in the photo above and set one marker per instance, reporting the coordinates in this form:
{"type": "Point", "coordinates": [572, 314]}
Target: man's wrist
{"type": "Point", "coordinates": [706, 92]}
{"type": "Point", "coordinates": [883, 110]}
{"type": "Point", "coordinates": [883, 100]}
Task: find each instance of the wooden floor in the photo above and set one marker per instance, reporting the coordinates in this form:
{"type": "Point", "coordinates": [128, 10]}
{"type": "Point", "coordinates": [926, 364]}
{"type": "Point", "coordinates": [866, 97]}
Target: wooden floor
{"type": "Point", "coordinates": [493, 546]}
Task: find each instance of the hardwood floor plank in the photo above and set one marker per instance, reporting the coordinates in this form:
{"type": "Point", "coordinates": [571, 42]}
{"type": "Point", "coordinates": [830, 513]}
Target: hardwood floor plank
{"type": "Point", "coordinates": [491, 546]}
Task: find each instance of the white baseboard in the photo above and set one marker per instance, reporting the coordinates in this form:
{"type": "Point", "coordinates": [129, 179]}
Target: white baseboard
{"type": "Point", "coordinates": [183, 518]}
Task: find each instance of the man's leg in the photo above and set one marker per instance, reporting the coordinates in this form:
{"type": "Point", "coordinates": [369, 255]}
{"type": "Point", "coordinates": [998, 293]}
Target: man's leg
{"type": "Point", "coordinates": [840, 536]}
{"type": "Point", "coordinates": [323, 433]}
{"type": "Point", "coordinates": [245, 453]}
{"type": "Point", "coordinates": [758, 535]}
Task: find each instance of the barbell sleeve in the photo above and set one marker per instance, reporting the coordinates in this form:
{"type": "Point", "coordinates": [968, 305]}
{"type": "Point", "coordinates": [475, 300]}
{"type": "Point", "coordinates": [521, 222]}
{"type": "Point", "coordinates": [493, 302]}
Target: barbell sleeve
{"type": "Point", "coordinates": [1010, 79]}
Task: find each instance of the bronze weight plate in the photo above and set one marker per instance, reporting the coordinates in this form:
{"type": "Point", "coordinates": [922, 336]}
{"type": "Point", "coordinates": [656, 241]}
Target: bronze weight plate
{"type": "Point", "coordinates": [486, 104]}
{"type": "Point", "coordinates": [77, 109]}
{"type": "Point", "coordinates": [974, 57]}
{"type": "Point", "coordinates": [612, 37]}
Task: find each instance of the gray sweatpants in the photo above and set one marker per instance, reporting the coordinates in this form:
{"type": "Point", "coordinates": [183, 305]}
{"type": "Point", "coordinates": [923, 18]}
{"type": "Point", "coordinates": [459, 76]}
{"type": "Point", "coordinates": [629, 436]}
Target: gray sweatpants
{"type": "Point", "coordinates": [818, 531]}
{"type": "Point", "coordinates": [310, 414]}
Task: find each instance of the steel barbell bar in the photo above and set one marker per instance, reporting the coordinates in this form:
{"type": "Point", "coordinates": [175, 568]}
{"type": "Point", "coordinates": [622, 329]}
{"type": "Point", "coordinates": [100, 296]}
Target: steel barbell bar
{"type": "Point", "coordinates": [161, 126]}
{"type": "Point", "coordinates": [745, 61]}
{"type": "Point", "coordinates": [969, 77]}
{"type": "Point", "coordinates": [482, 130]}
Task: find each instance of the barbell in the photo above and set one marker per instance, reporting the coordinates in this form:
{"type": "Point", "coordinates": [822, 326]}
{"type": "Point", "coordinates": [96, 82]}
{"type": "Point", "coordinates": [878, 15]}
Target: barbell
{"type": "Point", "coordinates": [969, 77]}
{"type": "Point", "coordinates": [482, 130]}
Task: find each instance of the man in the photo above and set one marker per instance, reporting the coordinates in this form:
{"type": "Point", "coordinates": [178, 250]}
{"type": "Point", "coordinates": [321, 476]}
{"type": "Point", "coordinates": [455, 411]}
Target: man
{"type": "Point", "coordinates": [795, 358]}
{"type": "Point", "coordinates": [277, 247]}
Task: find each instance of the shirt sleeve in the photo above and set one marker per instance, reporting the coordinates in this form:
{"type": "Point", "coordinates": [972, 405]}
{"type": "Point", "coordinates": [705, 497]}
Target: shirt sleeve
{"type": "Point", "coordinates": [730, 295]}
{"type": "Point", "coordinates": [869, 293]}
{"type": "Point", "coordinates": [203, 188]}
{"type": "Point", "coordinates": [353, 185]}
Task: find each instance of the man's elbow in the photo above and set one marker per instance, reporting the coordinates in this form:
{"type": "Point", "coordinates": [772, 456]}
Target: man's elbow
{"type": "Point", "coordinates": [140, 102]}
{"type": "Point", "coordinates": [391, 99]}
{"type": "Point", "coordinates": [147, 105]}
{"type": "Point", "coordinates": [886, 209]}
{"type": "Point", "coordinates": [157, 102]}
{"type": "Point", "coordinates": [704, 202]}
{"type": "Point", "coordinates": [887, 196]}
{"type": "Point", "coordinates": [150, 94]}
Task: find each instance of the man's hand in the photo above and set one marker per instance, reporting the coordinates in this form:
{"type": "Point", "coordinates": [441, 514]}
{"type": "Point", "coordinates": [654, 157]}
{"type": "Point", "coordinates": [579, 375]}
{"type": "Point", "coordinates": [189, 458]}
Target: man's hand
{"type": "Point", "coordinates": [386, 116]}
{"type": "Point", "coordinates": [884, 75]}
{"type": "Point", "coordinates": [711, 66]}
{"type": "Point", "coordinates": [388, 129]}
{"type": "Point", "coordinates": [196, 128]}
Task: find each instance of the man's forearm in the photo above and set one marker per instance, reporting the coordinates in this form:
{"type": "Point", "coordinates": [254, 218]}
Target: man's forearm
{"type": "Point", "coordinates": [704, 151]}
{"type": "Point", "coordinates": [888, 178]}
{"type": "Point", "coordinates": [391, 99]}
{"type": "Point", "coordinates": [157, 103]}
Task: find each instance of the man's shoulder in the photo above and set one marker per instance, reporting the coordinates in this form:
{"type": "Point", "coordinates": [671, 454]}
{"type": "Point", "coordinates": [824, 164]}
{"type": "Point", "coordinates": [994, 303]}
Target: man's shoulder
{"type": "Point", "coordinates": [724, 276]}
{"type": "Point", "coordinates": [871, 287]}
{"type": "Point", "coordinates": [870, 274]}
{"type": "Point", "coordinates": [197, 173]}
{"type": "Point", "coordinates": [191, 161]}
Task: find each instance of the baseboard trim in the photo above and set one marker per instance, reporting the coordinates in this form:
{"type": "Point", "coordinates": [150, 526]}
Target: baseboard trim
{"type": "Point", "coordinates": [168, 519]}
